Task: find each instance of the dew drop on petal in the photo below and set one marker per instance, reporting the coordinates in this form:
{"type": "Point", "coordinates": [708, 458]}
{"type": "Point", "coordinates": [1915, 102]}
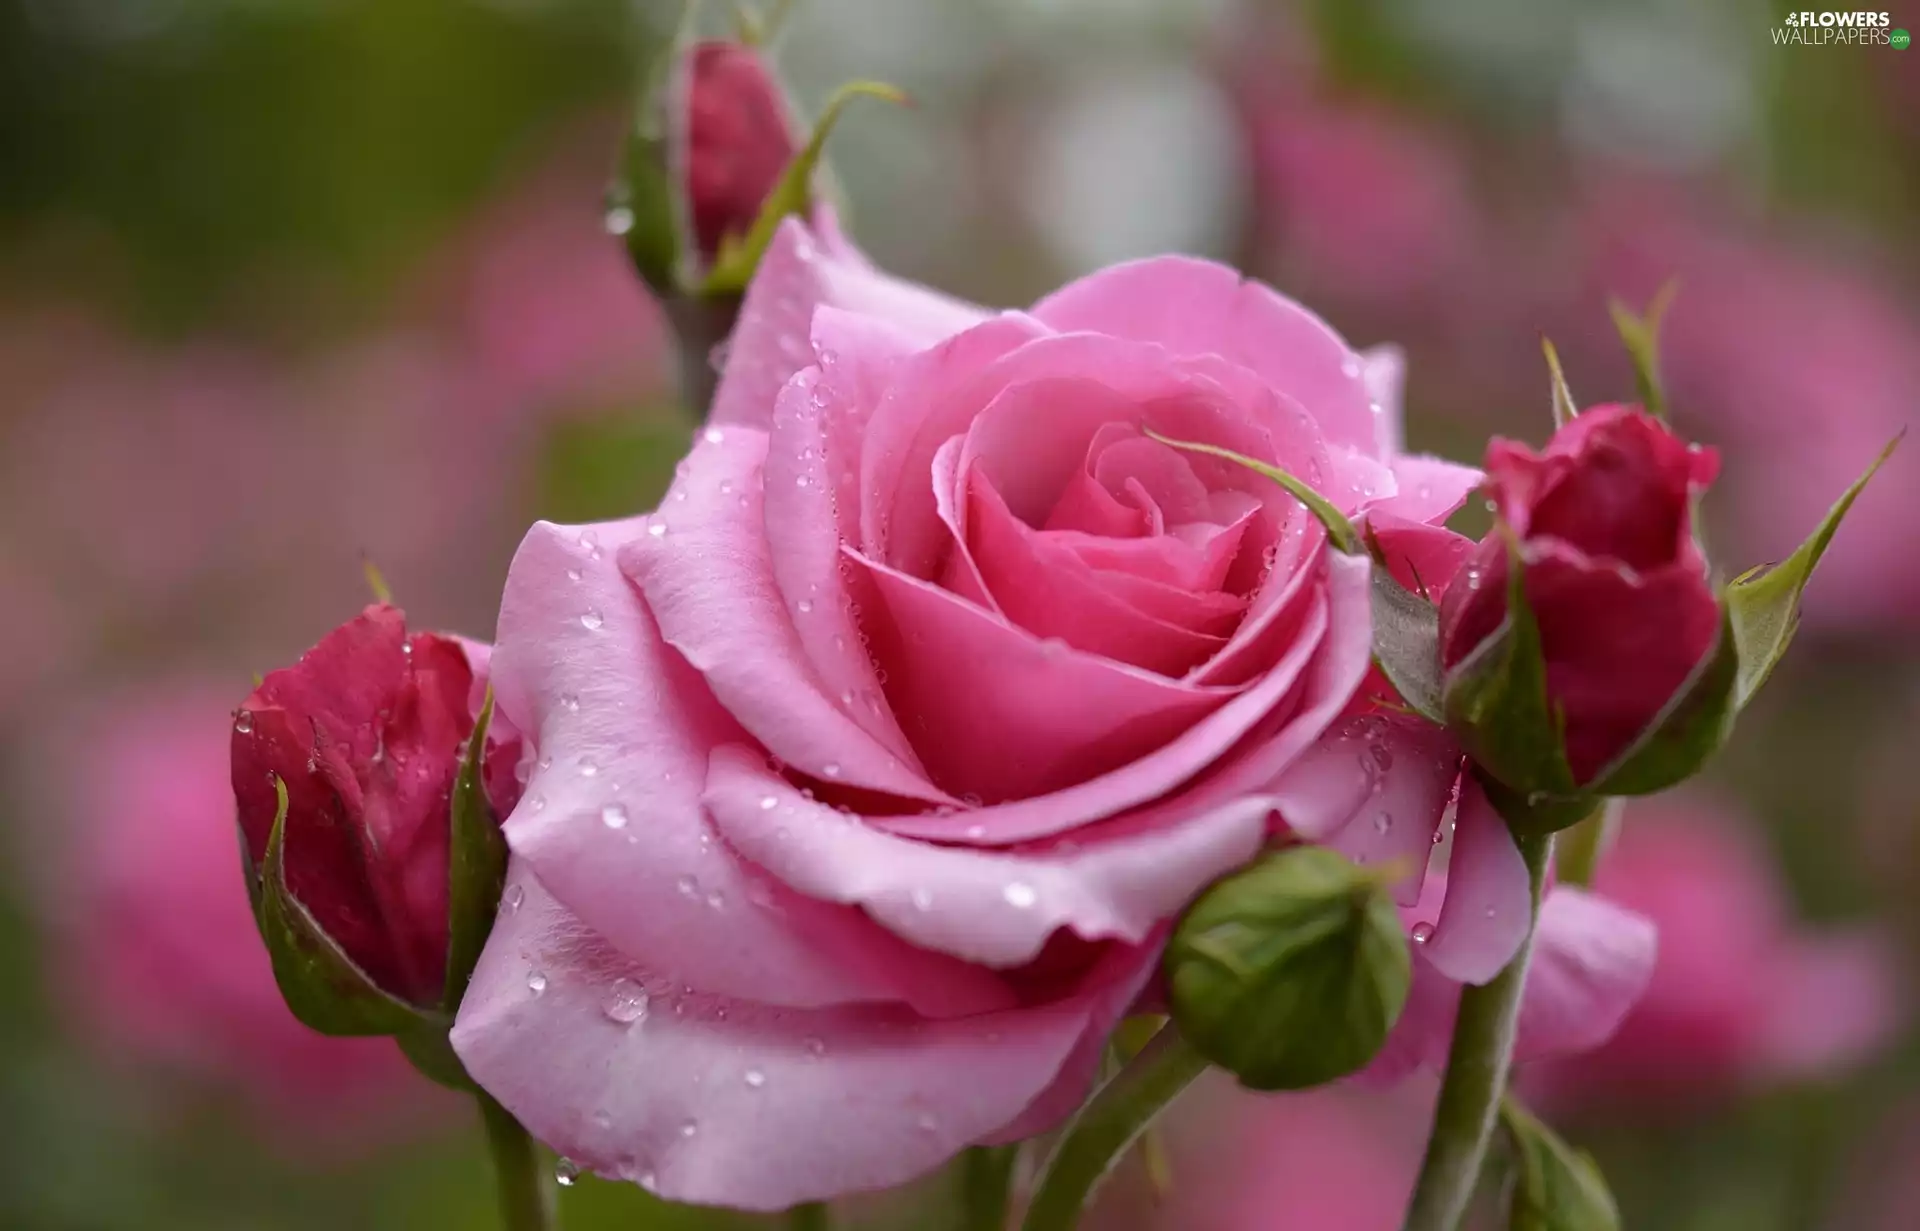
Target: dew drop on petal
{"type": "Point", "coordinates": [536, 983]}
{"type": "Point", "coordinates": [689, 1128]}
{"type": "Point", "coordinates": [565, 1173]}
{"type": "Point", "coordinates": [627, 1002]}
{"type": "Point", "coordinates": [569, 702]}
{"type": "Point", "coordinates": [1019, 895]}
{"type": "Point", "coordinates": [589, 767]}
{"type": "Point", "coordinates": [243, 722]}
{"type": "Point", "coordinates": [754, 1079]}
{"type": "Point", "coordinates": [831, 769]}
{"type": "Point", "coordinates": [614, 816]}
{"type": "Point", "coordinates": [591, 619]}
{"type": "Point", "coordinates": [922, 898]}
{"type": "Point", "coordinates": [713, 436]}
{"type": "Point", "coordinates": [1422, 932]}
{"type": "Point", "coordinates": [769, 802]}
{"type": "Point", "coordinates": [1383, 824]}
{"type": "Point", "coordinates": [515, 896]}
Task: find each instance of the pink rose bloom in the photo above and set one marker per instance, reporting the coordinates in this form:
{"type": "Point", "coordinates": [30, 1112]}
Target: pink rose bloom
{"type": "Point", "coordinates": [1741, 994]}
{"type": "Point", "coordinates": [156, 952]}
{"type": "Point", "coordinates": [872, 767]}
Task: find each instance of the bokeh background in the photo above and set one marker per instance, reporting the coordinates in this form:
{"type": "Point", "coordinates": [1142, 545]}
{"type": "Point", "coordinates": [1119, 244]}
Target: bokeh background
{"type": "Point", "coordinates": [289, 283]}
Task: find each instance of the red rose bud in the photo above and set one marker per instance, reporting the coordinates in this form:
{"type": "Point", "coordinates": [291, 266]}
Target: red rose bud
{"type": "Point", "coordinates": [735, 135]}
{"type": "Point", "coordinates": [1621, 636]}
{"type": "Point", "coordinates": [350, 770]}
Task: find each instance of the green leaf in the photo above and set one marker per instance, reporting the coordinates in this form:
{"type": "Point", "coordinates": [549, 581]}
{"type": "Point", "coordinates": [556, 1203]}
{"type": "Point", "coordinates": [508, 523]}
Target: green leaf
{"type": "Point", "coordinates": [1557, 1188]}
{"type": "Point", "coordinates": [734, 265]}
{"type": "Point", "coordinates": [1496, 699]}
{"type": "Point", "coordinates": [1764, 603]}
{"type": "Point", "coordinates": [1339, 529]}
{"type": "Point", "coordinates": [1406, 643]}
{"type": "Point", "coordinates": [477, 863]}
{"type": "Point", "coordinates": [1564, 407]}
{"type": "Point", "coordinates": [1641, 334]}
{"type": "Point", "coordinates": [319, 982]}
{"type": "Point", "coordinates": [1291, 972]}
{"type": "Point", "coordinates": [1691, 727]}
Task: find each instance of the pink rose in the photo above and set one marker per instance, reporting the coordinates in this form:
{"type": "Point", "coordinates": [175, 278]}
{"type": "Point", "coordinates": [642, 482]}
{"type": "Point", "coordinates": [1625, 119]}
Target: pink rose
{"type": "Point", "coordinates": [155, 946]}
{"type": "Point", "coordinates": [1741, 994]}
{"type": "Point", "coordinates": [874, 764]}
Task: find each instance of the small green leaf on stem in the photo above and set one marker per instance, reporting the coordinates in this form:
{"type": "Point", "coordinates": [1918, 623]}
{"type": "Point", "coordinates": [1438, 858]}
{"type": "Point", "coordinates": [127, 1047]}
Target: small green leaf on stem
{"type": "Point", "coordinates": [1406, 642]}
{"type": "Point", "coordinates": [1339, 530]}
{"type": "Point", "coordinates": [376, 582]}
{"type": "Point", "coordinates": [1764, 603]}
{"type": "Point", "coordinates": [734, 265]}
{"type": "Point", "coordinates": [1557, 1188]}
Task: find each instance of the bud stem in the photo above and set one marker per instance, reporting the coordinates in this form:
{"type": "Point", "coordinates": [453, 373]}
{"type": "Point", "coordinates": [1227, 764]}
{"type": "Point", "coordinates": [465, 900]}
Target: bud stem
{"type": "Point", "coordinates": [1103, 1130]}
{"type": "Point", "coordinates": [1476, 1076]}
{"type": "Point", "coordinates": [526, 1195]}
{"type": "Point", "coordinates": [813, 1216]}
{"type": "Point", "coordinates": [700, 325]}
{"type": "Point", "coordinates": [1578, 857]}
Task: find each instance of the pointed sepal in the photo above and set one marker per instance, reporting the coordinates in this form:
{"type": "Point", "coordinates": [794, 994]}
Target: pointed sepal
{"type": "Point", "coordinates": [1764, 603]}
{"type": "Point", "coordinates": [738, 257]}
{"type": "Point", "coordinates": [1564, 407]}
{"type": "Point", "coordinates": [319, 982]}
{"type": "Point", "coordinates": [1640, 333]}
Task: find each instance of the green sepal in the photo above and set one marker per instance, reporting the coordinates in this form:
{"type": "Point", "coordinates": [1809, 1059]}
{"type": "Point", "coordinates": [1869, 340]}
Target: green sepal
{"type": "Point", "coordinates": [1641, 335]}
{"type": "Point", "coordinates": [734, 264]}
{"type": "Point", "coordinates": [1406, 640]}
{"type": "Point", "coordinates": [1291, 972]}
{"type": "Point", "coordinates": [1496, 699]}
{"type": "Point", "coordinates": [1340, 531]}
{"type": "Point", "coordinates": [1690, 728]}
{"type": "Point", "coordinates": [1564, 407]}
{"type": "Point", "coordinates": [428, 1049]}
{"type": "Point", "coordinates": [1535, 813]}
{"type": "Point", "coordinates": [476, 863]}
{"type": "Point", "coordinates": [319, 982]}
{"type": "Point", "coordinates": [1556, 1187]}
{"type": "Point", "coordinates": [1764, 603]}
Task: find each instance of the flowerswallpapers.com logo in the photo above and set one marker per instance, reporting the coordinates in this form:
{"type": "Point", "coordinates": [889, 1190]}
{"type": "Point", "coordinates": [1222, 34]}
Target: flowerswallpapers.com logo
{"type": "Point", "coordinates": [1833, 28]}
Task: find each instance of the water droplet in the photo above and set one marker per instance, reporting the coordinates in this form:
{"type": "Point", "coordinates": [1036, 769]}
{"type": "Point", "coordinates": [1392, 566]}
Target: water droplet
{"type": "Point", "coordinates": [754, 1078]}
{"type": "Point", "coordinates": [574, 574]}
{"type": "Point", "coordinates": [976, 831]}
{"type": "Point", "coordinates": [1536, 798]}
{"type": "Point", "coordinates": [831, 769]}
{"type": "Point", "coordinates": [713, 436]}
{"type": "Point", "coordinates": [565, 1172]}
{"type": "Point", "coordinates": [801, 480]}
{"type": "Point", "coordinates": [614, 816]}
{"type": "Point", "coordinates": [805, 605]}
{"type": "Point", "coordinates": [689, 1128]}
{"type": "Point", "coordinates": [603, 1118]}
{"type": "Point", "coordinates": [626, 1002]}
{"type": "Point", "coordinates": [716, 900]}
{"type": "Point", "coordinates": [769, 802]}
{"type": "Point", "coordinates": [1382, 756]}
{"type": "Point", "coordinates": [657, 529]}
{"type": "Point", "coordinates": [1439, 836]}
{"type": "Point", "coordinates": [1489, 912]}
{"type": "Point", "coordinates": [1350, 366]}
{"type": "Point", "coordinates": [927, 1123]}
{"type": "Point", "coordinates": [591, 619]}
{"type": "Point", "coordinates": [536, 983]}
{"type": "Point", "coordinates": [717, 357]}
{"type": "Point", "coordinates": [589, 767]}
{"type": "Point", "coordinates": [1422, 932]}
{"type": "Point", "coordinates": [243, 722]}
{"type": "Point", "coordinates": [569, 702]}
{"type": "Point", "coordinates": [515, 896]}
{"type": "Point", "coordinates": [922, 898]}
{"type": "Point", "coordinates": [537, 803]}
{"type": "Point", "coordinates": [1383, 824]}
{"type": "Point", "coordinates": [1019, 895]}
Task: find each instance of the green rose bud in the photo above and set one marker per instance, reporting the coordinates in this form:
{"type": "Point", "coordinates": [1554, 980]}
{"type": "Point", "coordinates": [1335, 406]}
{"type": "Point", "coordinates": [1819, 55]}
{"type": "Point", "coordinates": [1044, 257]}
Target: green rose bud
{"type": "Point", "coordinates": [1291, 972]}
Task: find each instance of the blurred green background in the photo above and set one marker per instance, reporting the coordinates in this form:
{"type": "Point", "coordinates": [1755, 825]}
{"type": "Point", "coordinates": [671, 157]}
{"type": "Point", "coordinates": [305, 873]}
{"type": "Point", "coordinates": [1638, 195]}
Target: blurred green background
{"type": "Point", "coordinates": [288, 282]}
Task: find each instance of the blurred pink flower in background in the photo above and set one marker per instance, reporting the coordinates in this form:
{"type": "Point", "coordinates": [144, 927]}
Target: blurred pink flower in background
{"type": "Point", "coordinates": [153, 948]}
{"type": "Point", "coordinates": [1802, 368]}
{"type": "Point", "coordinates": [1741, 994]}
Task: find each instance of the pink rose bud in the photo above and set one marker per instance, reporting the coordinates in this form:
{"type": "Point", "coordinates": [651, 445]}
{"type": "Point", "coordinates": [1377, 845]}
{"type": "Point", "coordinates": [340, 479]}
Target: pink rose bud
{"type": "Point", "coordinates": [361, 743]}
{"type": "Point", "coordinates": [735, 135]}
{"type": "Point", "coordinates": [1619, 599]}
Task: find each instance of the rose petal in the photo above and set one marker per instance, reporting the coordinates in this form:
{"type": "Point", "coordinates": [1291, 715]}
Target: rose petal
{"type": "Point", "coordinates": [1383, 369]}
{"type": "Point", "coordinates": [723, 1101]}
{"type": "Point", "coordinates": [1591, 961]}
{"type": "Point", "coordinates": [800, 272]}
{"type": "Point", "coordinates": [706, 569]}
{"type": "Point", "coordinates": [1195, 307]}
{"type": "Point", "coordinates": [612, 814]}
{"type": "Point", "coordinates": [1430, 489]}
{"type": "Point", "coordinates": [993, 907]}
{"type": "Point", "coordinates": [1489, 899]}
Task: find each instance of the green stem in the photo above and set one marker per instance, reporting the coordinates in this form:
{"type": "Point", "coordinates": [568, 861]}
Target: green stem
{"type": "Point", "coordinates": [1476, 1075]}
{"type": "Point", "coordinates": [1580, 848]}
{"type": "Point", "coordinates": [813, 1216]}
{"type": "Point", "coordinates": [700, 324]}
{"type": "Point", "coordinates": [986, 1181]}
{"type": "Point", "coordinates": [1100, 1135]}
{"type": "Point", "coordinates": [526, 1194]}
